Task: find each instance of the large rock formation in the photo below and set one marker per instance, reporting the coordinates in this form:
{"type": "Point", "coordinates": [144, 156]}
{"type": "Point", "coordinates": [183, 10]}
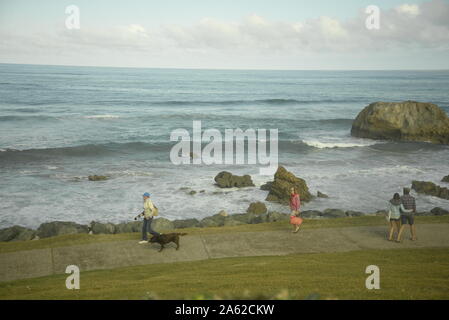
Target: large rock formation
{"type": "Point", "coordinates": [283, 182]}
{"type": "Point", "coordinates": [408, 120]}
{"type": "Point", "coordinates": [257, 208]}
{"type": "Point", "coordinates": [227, 180]}
{"type": "Point", "coordinates": [445, 179]}
{"type": "Point", "coordinates": [430, 189]}
{"type": "Point", "coordinates": [16, 233]}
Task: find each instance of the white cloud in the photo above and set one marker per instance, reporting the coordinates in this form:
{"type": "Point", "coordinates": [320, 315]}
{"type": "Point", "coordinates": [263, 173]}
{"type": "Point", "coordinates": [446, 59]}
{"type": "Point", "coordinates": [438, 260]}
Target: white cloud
{"type": "Point", "coordinates": [410, 9]}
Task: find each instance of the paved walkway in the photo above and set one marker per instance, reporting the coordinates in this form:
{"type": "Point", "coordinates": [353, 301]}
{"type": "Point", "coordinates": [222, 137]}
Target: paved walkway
{"type": "Point", "coordinates": [108, 255]}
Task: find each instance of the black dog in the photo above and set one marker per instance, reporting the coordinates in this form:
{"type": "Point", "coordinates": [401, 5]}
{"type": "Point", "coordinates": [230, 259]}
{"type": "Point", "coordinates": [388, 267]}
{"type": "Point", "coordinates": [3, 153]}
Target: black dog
{"type": "Point", "coordinates": [163, 239]}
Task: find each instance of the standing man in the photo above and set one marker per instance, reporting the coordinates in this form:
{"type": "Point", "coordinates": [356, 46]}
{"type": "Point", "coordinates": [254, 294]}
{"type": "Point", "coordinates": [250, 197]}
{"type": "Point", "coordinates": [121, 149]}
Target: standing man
{"type": "Point", "coordinates": [408, 218]}
{"type": "Point", "coordinates": [147, 213]}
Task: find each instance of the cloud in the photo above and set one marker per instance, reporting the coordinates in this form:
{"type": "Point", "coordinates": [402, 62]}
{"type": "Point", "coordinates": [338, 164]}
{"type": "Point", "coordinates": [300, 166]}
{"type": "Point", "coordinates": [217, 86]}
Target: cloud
{"type": "Point", "coordinates": [403, 28]}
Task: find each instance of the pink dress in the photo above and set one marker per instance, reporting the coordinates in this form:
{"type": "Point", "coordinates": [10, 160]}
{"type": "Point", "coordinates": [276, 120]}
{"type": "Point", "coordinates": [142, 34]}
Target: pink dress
{"type": "Point", "coordinates": [295, 204]}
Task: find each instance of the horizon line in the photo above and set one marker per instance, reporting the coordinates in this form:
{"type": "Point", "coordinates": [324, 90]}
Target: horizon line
{"type": "Point", "coordinates": [210, 69]}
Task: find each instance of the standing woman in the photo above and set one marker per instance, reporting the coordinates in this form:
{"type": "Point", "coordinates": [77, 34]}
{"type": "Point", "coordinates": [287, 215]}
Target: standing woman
{"type": "Point", "coordinates": [394, 215]}
{"type": "Point", "coordinates": [295, 204]}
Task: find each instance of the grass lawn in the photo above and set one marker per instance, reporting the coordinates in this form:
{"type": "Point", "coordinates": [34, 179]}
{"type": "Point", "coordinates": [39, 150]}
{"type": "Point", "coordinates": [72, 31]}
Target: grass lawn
{"type": "Point", "coordinates": [77, 239]}
{"type": "Point", "coordinates": [404, 274]}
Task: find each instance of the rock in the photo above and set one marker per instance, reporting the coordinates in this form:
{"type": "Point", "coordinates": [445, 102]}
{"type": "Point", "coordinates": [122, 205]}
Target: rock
{"type": "Point", "coordinates": [213, 221]}
{"type": "Point", "coordinates": [56, 228]}
{"type": "Point", "coordinates": [232, 222]}
{"type": "Point", "coordinates": [351, 213]}
{"type": "Point", "coordinates": [255, 218]}
{"type": "Point", "coordinates": [311, 214]}
{"type": "Point", "coordinates": [102, 228]}
{"type": "Point", "coordinates": [277, 216]}
{"type": "Point", "coordinates": [439, 211]}
{"type": "Point", "coordinates": [162, 224]}
{"type": "Point", "coordinates": [321, 195]}
{"type": "Point", "coordinates": [223, 213]}
{"type": "Point", "coordinates": [257, 208]}
{"type": "Point", "coordinates": [280, 187]}
{"type": "Point", "coordinates": [186, 223]}
{"type": "Point", "coordinates": [408, 120]}
{"type": "Point", "coordinates": [128, 227]}
{"type": "Point", "coordinates": [266, 186]}
{"type": "Point", "coordinates": [445, 179]}
{"type": "Point", "coordinates": [193, 192]}
{"type": "Point", "coordinates": [227, 180]}
{"type": "Point", "coordinates": [16, 233]}
{"type": "Point", "coordinates": [431, 189]}
{"type": "Point", "coordinates": [334, 213]}
{"type": "Point", "coordinates": [97, 178]}
{"type": "Point", "coordinates": [203, 191]}
{"type": "Point", "coordinates": [242, 218]}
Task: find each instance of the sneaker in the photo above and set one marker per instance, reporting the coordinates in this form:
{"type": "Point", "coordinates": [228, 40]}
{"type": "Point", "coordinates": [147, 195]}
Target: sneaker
{"type": "Point", "coordinates": [143, 241]}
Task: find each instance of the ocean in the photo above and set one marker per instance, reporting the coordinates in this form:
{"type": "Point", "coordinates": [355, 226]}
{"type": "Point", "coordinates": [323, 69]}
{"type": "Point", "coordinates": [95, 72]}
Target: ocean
{"type": "Point", "coordinates": [60, 124]}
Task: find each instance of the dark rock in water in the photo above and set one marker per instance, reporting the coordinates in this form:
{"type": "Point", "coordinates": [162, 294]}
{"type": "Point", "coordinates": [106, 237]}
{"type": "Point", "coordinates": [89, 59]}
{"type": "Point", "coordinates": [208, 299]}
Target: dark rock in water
{"type": "Point", "coordinates": [16, 233]}
{"type": "Point", "coordinates": [227, 180]}
{"type": "Point", "coordinates": [439, 211]}
{"type": "Point", "coordinates": [97, 178]}
{"type": "Point", "coordinates": [257, 208]}
{"type": "Point", "coordinates": [186, 223]}
{"type": "Point", "coordinates": [431, 189]}
{"type": "Point", "coordinates": [408, 120]}
{"type": "Point", "coordinates": [334, 213]}
{"type": "Point", "coordinates": [445, 179]}
{"type": "Point", "coordinates": [277, 216]}
{"type": "Point", "coordinates": [266, 186]}
{"type": "Point", "coordinates": [193, 192]}
{"type": "Point", "coordinates": [283, 182]}
{"type": "Point", "coordinates": [321, 195]}
{"type": "Point", "coordinates": [311, 214]}
{"type": "Point", "coordinates": [351, 213]}
{"type": "Point", "coordinates": [162, 224]}
{"type": "Point", "coordinates": [102, 228]}
{"type": "Point", "coordinates": [56, 228]}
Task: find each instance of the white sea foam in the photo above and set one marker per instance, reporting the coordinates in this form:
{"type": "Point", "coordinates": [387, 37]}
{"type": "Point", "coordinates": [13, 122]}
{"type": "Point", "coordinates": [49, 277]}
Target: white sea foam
{"type": "Point", "coordinates": [332, 144]}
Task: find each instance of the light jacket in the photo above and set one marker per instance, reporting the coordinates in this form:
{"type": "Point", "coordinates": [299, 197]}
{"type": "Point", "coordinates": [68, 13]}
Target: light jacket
{"type": "Point", "coordinates": [148, 208]}
{"type": "Point", "coordinates": [396, 210]}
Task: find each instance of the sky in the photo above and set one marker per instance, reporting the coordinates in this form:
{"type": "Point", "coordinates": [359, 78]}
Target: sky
{"type": "Point", "coordinates": [211, 34]}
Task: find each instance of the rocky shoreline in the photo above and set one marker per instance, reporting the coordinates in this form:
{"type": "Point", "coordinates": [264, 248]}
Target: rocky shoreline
{"type": "Point", "coordinates": [257, 212]}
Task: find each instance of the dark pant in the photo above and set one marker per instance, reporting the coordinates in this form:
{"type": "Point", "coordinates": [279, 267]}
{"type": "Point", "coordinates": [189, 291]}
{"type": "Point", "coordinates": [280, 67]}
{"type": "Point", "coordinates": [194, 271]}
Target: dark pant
{"type": "Point", "coordinates": [147, 228]}
{"type": "Point", "coordinates": [407, 219]}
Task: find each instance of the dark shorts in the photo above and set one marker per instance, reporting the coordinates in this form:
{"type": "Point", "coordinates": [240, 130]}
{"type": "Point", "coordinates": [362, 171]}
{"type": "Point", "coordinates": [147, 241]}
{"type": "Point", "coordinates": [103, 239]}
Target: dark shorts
{"type": "Point", "coordinates": [407, 219]}
{"type": "Point", "coordinates": [396, 220]}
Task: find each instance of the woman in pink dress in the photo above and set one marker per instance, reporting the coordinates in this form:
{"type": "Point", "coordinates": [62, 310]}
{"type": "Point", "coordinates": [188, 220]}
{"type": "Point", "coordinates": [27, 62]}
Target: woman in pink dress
{"type": "Point", "coordinates": [295, 204]}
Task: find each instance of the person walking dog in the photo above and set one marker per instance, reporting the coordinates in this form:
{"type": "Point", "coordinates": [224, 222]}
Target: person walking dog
{"type": "Point", "coordinates": [149, 211]}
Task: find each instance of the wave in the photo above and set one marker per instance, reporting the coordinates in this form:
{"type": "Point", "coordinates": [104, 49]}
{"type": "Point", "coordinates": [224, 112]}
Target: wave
{"type": "Point", "coordinates": [26, 118]}
{"type": "Point", "coordinates": [102, 116]}
{"type": "Point", "coordinates": [330, 145]}
{"type": "Point", "coordinates": [273, 101]}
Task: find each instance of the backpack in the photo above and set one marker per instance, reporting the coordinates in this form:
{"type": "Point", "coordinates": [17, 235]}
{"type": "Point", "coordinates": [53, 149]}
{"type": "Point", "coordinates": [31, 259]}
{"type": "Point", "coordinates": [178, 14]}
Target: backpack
{"type": "Point", "coordinates": [155, 211]}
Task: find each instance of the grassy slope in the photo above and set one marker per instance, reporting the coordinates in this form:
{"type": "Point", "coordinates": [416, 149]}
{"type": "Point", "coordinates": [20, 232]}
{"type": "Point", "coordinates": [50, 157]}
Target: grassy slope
{"type": "Point", "coordinates": [76, 239]}
{"type": "Point", "coordinates": [404, 274]}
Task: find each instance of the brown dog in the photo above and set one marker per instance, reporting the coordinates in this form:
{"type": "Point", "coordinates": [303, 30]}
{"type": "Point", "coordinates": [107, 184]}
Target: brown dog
{"type": "Point", "coordinates": [163, 239]}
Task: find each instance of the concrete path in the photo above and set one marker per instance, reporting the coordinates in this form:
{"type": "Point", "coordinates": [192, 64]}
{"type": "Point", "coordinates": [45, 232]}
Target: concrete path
{"type": "Point", "coordinates": [108, 255]}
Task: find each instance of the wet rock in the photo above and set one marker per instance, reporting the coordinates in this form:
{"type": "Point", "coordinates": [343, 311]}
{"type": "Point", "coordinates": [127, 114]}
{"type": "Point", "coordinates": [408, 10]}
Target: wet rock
{"type": "Point", "coordinates": [216, 220]}
{"type": "Point", "coordinates": [431, 189]}
{"type": "Point", "coordinates": [266, 186]}
{"type": "Point", "coordinates": [321, 195]}
{"type": "Point", "coordinates": [257, 208]}
{"type": "Point", "coordinates": [408, 120]}
{"type": "Point", "coordinates": [97, 178]}
{"type": "Point", "coordinates": [193, 192]}
{"type": "Point", "coordinates": [56, 228]}
{"type": "Point", "coordinates": [445, 179]}
{"type": "Point", "coordinates": [351, 213]}
{"type": "Point", "coordinates": [227, 180]}
{"type": "Point", "coordinates": [186, 223]}
{"type": "Point", "coordinates": [439, 211]}
{"type": "Point", "coordinates": [283, 182]}
{"type": "Point", "coordinates": [16, 233]}
{"type": "Point", "coordinates": [334, 213]}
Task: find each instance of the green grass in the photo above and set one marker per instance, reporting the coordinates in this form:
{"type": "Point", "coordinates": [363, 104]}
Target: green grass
{"type": "Point", "coordinates": [77, 239]}
{"type": "Point", "coordinates": [404, 274]}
